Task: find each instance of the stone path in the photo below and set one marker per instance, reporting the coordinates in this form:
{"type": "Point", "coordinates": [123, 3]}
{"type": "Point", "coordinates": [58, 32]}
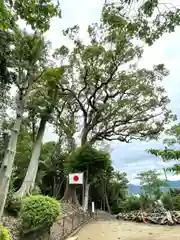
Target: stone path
{"type": "Point", "coordinates": [111, 229]}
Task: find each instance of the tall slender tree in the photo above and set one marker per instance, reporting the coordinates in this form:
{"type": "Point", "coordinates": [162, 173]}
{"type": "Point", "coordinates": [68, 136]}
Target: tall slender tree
{"type": "Point", "coordinates": [28, 51]}
{"type": "Point", "coordinates": [44, 98]}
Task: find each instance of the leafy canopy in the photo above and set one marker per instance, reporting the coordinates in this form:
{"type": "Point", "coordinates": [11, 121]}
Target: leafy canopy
{"type": "Point", "coordinates": [116, 99]}
{"type": "Point", "coordinates": [88, 158]}
{"type": "Point", "coordinates": [147, 20]}
{"type": "Point", "coordinates": [36, 13]}
{"type": "Point", "coordinates": [167, 155]}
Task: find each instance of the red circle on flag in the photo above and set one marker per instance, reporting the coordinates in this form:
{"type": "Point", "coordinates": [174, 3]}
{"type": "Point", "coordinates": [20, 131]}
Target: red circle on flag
{"type": "Point", "coordinates": [76, 178]}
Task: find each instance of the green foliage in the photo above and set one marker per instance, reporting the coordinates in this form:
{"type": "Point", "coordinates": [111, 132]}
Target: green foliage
{"type": "Point", "coordinates": [117, 189]}
{"type": "Point", "coordinates": [164, 17]}
{"type": "Point", "coordinates": [167, 201]}
{"type": "Point", "coordinates": [51, 169]}
{"type": "Point", "coordinates": [167, 155]}
{"type": "Point", "coordinates": [146, 202]}
{"type": "Point", "coordinates": [175, 192]}
{"type": "Point", "coordinates": [32, 49]}
{"type": "Point", "coordinates": [4, 233]}
{"type": "Point", "coordinates": [46, 93]}
{"type": "Point", "coordinates": [132, 203]}
{"type": "Point", "coordinates": [176, 203]}
{"type": "Point", "coordinates": [151, 184]}
{"type": "Point", "coordinates": [23, 152]}
{"type": "Point", "coordinates": [39, 210]}
{"type": "Point", "coordinates": [88, 158]}
{"type": "Point", "coordinates": [114, 185]}
{"type": "Point", "coordinates": [6, 75]}
{"type": "Point", "coordinates": [6, 17]}
{"type": "Point", "coordinates": [173, 135]}
{"type": "Point", "coordinates": [116, 99]}
{"type": "Point", "coordinates": [171, 200]}
{"type": "Point", "coordinates": [36, 14]}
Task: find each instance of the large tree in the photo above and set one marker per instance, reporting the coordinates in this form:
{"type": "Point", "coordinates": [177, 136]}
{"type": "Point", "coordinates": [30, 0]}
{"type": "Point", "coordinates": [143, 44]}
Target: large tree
{"type": "Point", "coordinates": [115, 99]}
{"type": "Point", "coordinates": [28, 55]}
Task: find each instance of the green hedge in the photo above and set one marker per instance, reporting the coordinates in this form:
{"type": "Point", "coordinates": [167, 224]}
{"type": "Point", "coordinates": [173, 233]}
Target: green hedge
{"type": "Point", "coordinates": [4, 233]}
{"type": "Point", "coordinates": [38, 210]}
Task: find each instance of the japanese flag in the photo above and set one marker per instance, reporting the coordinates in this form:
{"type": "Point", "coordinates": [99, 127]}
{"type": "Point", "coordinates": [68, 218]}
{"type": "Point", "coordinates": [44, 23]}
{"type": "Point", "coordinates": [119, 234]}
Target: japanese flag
{"type": "Point", "coordinates": [76, 178]}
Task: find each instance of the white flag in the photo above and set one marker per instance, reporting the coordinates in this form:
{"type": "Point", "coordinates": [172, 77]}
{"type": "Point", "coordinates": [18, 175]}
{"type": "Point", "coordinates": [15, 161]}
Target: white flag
{"type": "Point", "coordinates": [76, 178]}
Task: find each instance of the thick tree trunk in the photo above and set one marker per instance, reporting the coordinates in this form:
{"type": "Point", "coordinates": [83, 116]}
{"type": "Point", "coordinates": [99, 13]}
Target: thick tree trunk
{"type": "Point", "coordinates": [29, 180]}
{"type": "Point", "coordinates": [86, 198]}
{"type": "Point", "coordinates": [7, 165]}
{"type": "Point", "coordinates": [70, 194]}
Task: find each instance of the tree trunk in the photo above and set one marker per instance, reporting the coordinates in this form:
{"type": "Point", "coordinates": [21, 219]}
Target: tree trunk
{"type": "Point", "coordinates": [3, 106]}
{"type": "Point", "coordinates": [84, 136]}
{"type": "Point", "coordinates": [70, 194]}
{"type": "Point", "coordinates": [7, 164]}
{"type": "Point", "coordinates": [1, 123]}
{"type": "Point", "coordinates": [107, 203]}
{"type": "Point", "coordinates": [57, 189]}
{"type": "Point", "coordinates": [86, 198]}
{"type": "Point", "coordinates": [70, 191]}
{"type": "Point", "coordinates": [29, 180]}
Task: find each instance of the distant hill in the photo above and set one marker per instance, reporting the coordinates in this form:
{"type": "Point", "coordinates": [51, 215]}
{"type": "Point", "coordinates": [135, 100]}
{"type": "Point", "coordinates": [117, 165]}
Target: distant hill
{"type": "Point", "coordinates": [136, 189]}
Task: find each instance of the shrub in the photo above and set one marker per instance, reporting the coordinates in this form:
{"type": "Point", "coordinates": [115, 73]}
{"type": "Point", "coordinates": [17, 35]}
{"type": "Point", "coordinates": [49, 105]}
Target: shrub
{"type": "Point", "coordinates": [171, 202]}
{"type": "Point", "coordinates": [4, 233]}
{"type": "Point", "coordinates": [38, 210]}
{"type": "Point", "coordinates": [176, 203]}
{"type": "Point", "coordinates": [166, 199]}
{"type": "Point", "coordinates": [132, 203]}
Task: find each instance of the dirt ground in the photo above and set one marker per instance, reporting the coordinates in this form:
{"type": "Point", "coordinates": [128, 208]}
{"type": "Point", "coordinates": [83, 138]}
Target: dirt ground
{"type": "Point", "coordinates": [113, 230]}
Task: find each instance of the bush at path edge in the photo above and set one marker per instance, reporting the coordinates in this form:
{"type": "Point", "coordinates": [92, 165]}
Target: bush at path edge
{"type": "Point", "coordinates": [39, 210]}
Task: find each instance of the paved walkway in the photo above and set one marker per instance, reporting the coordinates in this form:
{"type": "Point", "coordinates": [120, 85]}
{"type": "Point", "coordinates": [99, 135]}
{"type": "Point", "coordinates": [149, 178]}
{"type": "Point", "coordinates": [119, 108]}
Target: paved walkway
{"type": "Point", "coordinates": [112, 229]}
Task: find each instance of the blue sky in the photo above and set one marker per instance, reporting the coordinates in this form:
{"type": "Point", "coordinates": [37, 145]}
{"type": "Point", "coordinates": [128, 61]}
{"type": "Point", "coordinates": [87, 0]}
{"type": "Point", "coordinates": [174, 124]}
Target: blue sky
{"type": "Point", "coordinates": [132, 157]}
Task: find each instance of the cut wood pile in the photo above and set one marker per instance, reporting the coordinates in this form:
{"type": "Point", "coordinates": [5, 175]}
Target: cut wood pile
{"type": "Point", "coordinates": [159, 216]}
